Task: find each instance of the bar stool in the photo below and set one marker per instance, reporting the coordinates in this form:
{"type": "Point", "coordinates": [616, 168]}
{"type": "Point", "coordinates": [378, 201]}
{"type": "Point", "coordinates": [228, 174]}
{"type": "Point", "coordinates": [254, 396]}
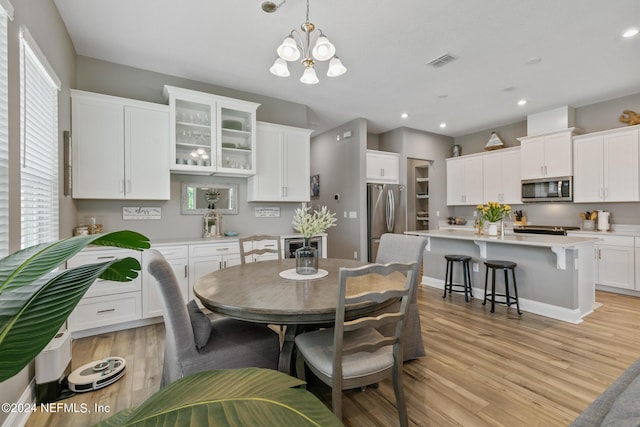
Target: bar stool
{"type": "Point", "coordinates": [448, 276]}
{"type": "Point", "coordinates": [504, 266]}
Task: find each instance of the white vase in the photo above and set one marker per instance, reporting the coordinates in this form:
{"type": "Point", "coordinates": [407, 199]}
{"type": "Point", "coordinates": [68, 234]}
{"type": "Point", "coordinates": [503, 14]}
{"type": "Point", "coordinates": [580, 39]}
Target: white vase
{"type": "Point", "coordinates": [492, 230]}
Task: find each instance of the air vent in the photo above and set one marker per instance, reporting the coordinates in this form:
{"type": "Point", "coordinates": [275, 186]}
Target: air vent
{"type": "Point", "coordinates": [442, 60]}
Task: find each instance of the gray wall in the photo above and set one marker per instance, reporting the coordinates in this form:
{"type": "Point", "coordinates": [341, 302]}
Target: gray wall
{"type": "Point", "coordinates": [590, 118]}
{"type": "Point", "coordinates": [341, 166]}
{"type": "Point", "coordinates": [118, 80]}
{"type": "Point", "coordinates": [46, 27]}
{"type": "Point", "coordinates": [417, 144]}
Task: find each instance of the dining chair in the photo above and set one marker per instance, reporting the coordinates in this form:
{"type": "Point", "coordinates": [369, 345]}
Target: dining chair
{"type": "Point", "coordinates": [267, 245]}
{"type": "Point", "coordinates": [194, 343]}
{"type": "Point", "coordinates": [407, 248]}
{"type": "Point", "coordinates": [354, 353]}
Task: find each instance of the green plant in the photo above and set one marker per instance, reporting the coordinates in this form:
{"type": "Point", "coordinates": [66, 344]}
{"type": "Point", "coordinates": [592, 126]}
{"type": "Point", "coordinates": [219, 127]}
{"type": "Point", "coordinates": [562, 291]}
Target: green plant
{"type": "Point", "coordinates": [238, 397]}
{"type": "Point", "coordinates": [36, 299]}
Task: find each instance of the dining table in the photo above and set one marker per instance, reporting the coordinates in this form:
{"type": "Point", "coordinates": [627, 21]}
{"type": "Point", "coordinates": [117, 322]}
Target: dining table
{"type": "Point", "coordinates": [270, 292]}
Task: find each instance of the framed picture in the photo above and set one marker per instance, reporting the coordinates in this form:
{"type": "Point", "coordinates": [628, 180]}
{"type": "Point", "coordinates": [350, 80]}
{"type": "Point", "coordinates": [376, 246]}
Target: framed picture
{"type": "Point", "coordinates": [315, 185]}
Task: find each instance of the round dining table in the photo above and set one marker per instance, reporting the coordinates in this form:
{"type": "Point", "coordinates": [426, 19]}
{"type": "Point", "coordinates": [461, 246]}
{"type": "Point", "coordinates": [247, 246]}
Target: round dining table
{"type": "Point", "coordinates": [257, 292]}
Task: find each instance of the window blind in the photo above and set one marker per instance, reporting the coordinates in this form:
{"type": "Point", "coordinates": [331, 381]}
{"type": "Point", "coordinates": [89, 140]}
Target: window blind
{"type": "Point", "coordinates": [6, 12]}
{"type": "Point", "coordinates": [39, 146]}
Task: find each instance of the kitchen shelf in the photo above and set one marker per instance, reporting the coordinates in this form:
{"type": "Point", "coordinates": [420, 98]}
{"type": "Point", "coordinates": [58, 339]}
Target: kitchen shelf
{"type": "Point", "coordinates": [422, 179]}
{"type": "Point", "coordinates": [420, 218]}
{"type": "Point", "coordinates": [422, 196]}
{"type": "Point", "coordinates": [418, 188]}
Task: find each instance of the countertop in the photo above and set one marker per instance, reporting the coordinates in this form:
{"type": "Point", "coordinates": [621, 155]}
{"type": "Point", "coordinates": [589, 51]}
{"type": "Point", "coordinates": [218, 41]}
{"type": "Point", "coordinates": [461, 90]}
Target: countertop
{"type": "Point", "coordinates": [540, 240]}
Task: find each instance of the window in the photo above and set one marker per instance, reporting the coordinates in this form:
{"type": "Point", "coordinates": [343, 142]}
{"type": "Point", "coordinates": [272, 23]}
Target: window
{"type": "Point", "coordinates": [39, 87]}
{"type": "Point", "coordinates": [6, 12]}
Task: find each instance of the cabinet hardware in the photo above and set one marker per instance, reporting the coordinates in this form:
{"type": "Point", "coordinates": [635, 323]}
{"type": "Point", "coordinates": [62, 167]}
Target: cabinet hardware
{"type": "Point", "coordinates": [186, 270]}
{"type": "Point", "coordinates": [106, 257]}
{"type": "Point", "coordinates": [108, 310]}
{"type": "Point", "coordinates": [222, 249]}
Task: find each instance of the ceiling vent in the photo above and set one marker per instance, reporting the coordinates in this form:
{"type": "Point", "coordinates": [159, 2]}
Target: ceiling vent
{"type": "Point", "coordinates": [442, 60]}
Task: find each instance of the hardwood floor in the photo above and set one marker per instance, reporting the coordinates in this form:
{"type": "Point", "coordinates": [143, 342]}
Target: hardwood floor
{"type": "Point", "coordinates": [481, 369]}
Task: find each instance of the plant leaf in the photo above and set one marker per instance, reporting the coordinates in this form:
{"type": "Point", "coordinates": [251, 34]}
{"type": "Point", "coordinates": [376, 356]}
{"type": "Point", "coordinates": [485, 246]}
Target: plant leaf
{"type": "Point", "coordinates": [238, 397]}
{"type": "Point", "coordinates": [27, 265]}
{"type": "Point", "coordinates": [33, 313]}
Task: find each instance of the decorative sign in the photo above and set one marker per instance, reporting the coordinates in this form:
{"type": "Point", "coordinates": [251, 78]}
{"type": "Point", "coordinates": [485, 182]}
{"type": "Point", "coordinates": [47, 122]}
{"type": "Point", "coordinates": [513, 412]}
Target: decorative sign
{"type": "Point", "coordinates": [141, 212]}
{"type": "Point", "coordinates": [267, 212]}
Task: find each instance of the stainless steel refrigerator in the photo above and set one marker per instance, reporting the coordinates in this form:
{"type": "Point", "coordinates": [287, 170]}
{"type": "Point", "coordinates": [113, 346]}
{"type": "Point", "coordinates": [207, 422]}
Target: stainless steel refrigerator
{"type": "Point", "coordinates": [386, 213]}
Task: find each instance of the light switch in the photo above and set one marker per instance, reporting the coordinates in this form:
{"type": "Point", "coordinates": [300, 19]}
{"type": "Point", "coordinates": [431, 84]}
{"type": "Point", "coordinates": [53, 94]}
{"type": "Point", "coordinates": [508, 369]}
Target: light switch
{"type": "Point", "coordinates": [345, 214]}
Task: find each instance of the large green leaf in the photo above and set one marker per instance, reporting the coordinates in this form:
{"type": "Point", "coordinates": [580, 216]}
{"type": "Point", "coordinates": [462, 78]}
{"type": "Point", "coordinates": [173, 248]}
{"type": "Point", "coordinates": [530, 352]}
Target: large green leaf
{"type": "Point", "coordinates": [240, 397]}
{"type": "Point", "coordinates": [35, 301]}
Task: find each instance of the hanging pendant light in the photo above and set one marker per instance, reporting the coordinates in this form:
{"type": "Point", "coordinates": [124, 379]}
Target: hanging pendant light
{"type": "Point", "coordinates": [297, 45]}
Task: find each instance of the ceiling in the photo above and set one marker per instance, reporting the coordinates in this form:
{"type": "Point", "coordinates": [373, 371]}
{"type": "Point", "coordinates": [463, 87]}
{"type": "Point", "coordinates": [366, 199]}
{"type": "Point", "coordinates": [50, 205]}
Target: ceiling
{"type": "Point", "coordinates": [551, 53]}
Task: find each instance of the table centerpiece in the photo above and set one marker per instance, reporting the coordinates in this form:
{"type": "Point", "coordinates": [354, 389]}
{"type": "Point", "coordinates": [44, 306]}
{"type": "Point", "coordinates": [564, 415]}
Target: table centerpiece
{"type": "Point", "coordinates": [493, 212]}
{"type": "Point", "coordinates": [310, 224]}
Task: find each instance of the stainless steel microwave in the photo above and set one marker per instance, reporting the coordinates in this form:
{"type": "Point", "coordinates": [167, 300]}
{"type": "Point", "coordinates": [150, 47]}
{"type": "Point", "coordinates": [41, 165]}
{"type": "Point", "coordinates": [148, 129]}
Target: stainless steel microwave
{"type": "Point", "coordinates": [547, 190]}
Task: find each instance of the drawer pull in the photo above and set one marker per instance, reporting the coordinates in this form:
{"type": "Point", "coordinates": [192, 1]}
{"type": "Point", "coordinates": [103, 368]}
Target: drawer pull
{"type": "Point", "coordinates": [222, 249]}
{"type": "Point", "coordinates": [108, 310]}
{"type": "Point", "coordinates": [107, 257]}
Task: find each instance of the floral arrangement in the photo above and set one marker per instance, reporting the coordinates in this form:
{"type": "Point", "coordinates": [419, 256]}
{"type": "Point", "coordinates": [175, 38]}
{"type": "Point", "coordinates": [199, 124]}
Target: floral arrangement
{"type": "Point", "coordinates": [494, 211]}
{"type": "Point", "coordinates": [309, 224]}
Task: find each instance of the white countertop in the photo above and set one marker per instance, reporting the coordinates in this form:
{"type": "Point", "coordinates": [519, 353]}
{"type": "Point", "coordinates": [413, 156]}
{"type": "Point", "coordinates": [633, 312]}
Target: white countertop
{"type": "Point", "coordinates": [541, 240]}
{"type": "Point", "coordinates": [224, 239]}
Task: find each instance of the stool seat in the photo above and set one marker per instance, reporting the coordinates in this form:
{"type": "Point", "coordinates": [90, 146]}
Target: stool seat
{"type": "Point", "coordinates": [466, 274]}
{"type": "Point", "coordinates": [493, 263]}
{"type": "Point", "coordinates": [457, 258]}
{"type": "Point", "coordinates": [505, 266]}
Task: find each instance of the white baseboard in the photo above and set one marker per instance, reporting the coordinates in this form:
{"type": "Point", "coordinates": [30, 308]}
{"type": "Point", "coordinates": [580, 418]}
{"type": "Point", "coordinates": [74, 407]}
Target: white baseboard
{"type": "Point", "coordinates": [535, 307]}
{"type": "Point", "coordinates": [28, 397]}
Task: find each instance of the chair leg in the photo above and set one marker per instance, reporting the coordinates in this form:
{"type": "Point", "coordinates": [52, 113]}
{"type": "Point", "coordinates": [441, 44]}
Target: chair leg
{"type": "Point", "coordinates": [300, 372]}
{"type": "Point", "coordinates": [469, 277]}
{"type": "Point", "coordinates": [399, 392]}
{"type": "Point", "coordinates": [336, 402]}
{"type": "Point", "coordinates": [465, 275]}
{"type": "Point", "coordinates": [493, 290]}
{"type": "Point", "coordinates": [506, 287]}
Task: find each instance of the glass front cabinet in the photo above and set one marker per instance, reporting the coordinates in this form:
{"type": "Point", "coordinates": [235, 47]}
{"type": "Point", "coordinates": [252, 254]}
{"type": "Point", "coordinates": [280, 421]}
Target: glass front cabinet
{"type": "Point", "coordinates": [211, 134]}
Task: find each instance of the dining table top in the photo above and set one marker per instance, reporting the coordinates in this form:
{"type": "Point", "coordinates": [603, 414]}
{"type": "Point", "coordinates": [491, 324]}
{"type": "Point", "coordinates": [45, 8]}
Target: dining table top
{"type": "Point", "coordinates": [257, 292]}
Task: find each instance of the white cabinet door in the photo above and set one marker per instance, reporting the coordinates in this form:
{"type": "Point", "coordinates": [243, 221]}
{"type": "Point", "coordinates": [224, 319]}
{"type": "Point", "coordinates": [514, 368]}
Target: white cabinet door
{"type": "Point", "coordinates": [492, 177]}
{"type": "Point", "coordinates": [621, 177]}
{"type": "Point", "coordinates": [558, 154]}
{"type": "Point", "coordinates": [464, 181]}
{"type": "Point", "coordinates": [283, 164]}
{"type": "Point", "coordinates": [511, 181]}
{"type": "Point", "coordinates": [98, 149]}
{"type": "Point", "coordinates": [383, 167]}
{"type": "Point", "coordinates": [532, 155]}
{"type": "Point", "coordinates": [146, 157]}
{"type": "Point", "coordinates": [588, 176]}
{"type": "Point", "coordinates": [637, 263]}
{"type": "Point", "coordinates": [615, 266]}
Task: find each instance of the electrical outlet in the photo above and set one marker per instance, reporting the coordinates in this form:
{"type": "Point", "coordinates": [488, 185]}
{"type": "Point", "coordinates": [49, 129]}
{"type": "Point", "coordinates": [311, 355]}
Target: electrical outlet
{"type": "Point", "coordinates": [475, 214]}
{"type": "Point", "coordinates": [355, 254]}
{"type": "Point", "coordinates": [353, 214]}
{"type": "Point", "coordinates": [476, 267]}
{"type": "Point", "coordinates": [437, 213]}
{"type": "Point", "coordinates": [345, 214]}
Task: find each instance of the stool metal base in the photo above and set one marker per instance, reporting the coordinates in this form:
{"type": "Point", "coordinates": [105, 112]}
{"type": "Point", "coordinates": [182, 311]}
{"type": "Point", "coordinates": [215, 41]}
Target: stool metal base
{"type": "Point", "coordinates": [448, 276]}
{"type": "Point", "coordinates": [508, 299]}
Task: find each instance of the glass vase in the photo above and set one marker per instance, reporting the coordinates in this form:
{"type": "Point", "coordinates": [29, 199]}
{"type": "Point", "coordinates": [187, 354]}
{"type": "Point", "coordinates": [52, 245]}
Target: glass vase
{"type": "Point", "coordinates": [306, 258]}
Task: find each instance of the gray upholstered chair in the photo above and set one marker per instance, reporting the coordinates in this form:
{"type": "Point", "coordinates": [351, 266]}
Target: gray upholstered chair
{"type": "Point", "coordinates": [354, 353]}
{"type": "Point", "coordinates": [271, 245]}
{"type": "Point", "coordinates": [406, 248]}
{"type": "Point", "coordinates": [194, 343]}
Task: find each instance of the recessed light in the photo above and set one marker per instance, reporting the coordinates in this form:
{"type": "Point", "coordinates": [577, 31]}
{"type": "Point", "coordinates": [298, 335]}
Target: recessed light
{"type": "Point", "coordinates": [630, 33]}
{"type": "Point", "coordinates": [522, 102]}
{"type": "Point", "coordinates": [443, 125]}
{"type": "Point", "coordinates": [442, 96]}
{"type": "Point", "coordinates": [509, 89]}
{"type": "Point", "coordinates": [534, 60]}
{"type": "Point", "coordinates": [404, 115]}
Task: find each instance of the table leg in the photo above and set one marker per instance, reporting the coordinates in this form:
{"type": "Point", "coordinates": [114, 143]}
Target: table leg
{"type": "Point", "coordinates": [286, 362]}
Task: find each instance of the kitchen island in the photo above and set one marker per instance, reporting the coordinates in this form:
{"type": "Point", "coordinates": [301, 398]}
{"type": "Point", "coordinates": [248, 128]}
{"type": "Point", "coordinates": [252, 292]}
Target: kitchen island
{"type": "Point", "coordinates": [554, 273]}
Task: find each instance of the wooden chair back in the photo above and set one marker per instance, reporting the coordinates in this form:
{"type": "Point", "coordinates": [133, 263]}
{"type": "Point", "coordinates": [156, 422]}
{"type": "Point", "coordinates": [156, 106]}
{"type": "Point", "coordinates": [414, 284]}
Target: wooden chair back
{"type": "Point", "coordinates": [268, 245]}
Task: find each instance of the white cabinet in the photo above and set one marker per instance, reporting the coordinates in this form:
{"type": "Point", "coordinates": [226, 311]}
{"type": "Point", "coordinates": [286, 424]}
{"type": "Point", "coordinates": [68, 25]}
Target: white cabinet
{"type": "Point", "coordinates": [106, 302]}
{"type": "Point", "coordinates": [283, 165]}
{"type": "Point", "coordinates": [465, 180]}
{"type": "Point", "coordinates": [211, 134]}
{"type": "Point", "coordinates": [637, 263]}
{"type": "Point", "coordinates": [548, 155]}
{"type": "Point", "coordinates": [383, 167]}
{"type": "Point", "coordinates": [178, 258]}
{"type": "Point", "coordinates": [606, 166]}
{"type": "Point", "coordinates": [208, 257]}
{"type": "Point", "coordinates": [615, 262]}
{"type": "Point", "coordinates": [501, 176]}
{"type": "Point", "coordinates": [120, 148]}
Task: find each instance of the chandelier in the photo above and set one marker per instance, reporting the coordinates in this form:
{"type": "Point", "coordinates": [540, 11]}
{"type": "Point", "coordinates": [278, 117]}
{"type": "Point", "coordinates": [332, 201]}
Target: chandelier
{"type": "Point", "coordinates": [297, 45]}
